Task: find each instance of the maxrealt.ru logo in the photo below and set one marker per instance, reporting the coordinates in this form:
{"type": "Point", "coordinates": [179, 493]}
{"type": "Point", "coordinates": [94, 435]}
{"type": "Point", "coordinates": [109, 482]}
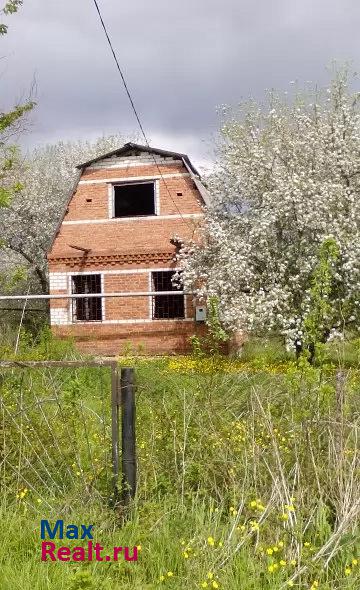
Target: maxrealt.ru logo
{"type": "Point", "coordinates": [92, 551]}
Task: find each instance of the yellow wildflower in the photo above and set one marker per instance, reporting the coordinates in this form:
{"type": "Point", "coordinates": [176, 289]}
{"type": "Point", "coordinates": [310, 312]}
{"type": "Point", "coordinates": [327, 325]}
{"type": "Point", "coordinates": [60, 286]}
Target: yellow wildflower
{"type": "Point", "coordinates": [253, 504]}
{"type": "Point", "coordinates": [210, 575]}
{"type": "Point", "coordinates": [269, 551]}
{"type": "Point", "coordinates": [281, 544]}
{"type": "Point", "coordinates": [162, 578]}
{"type": "Point", "coordinates": [211, 541]}
{"type": "Point", "coordinates": [215, 584]}
{"type": "Point", "coordinates": [138, 547]}
{"type": "Point", "coordinates": [170, 574]}
{"type": "Point", "coordinates": [354, 562]}
{"type": "Point", "coordinates": [271, 568]}
{"type": "Point", "coordinates": [307, 544]}
{"type": "Point", "coordinates": [290, 583]}
{"type": "Point", "coordinates": [220, 543]}
{"type": "Point", "coordinates": [204, 585]}
{"type": "Point", "coordinates": [275, 549]}
{"type": "Point", "coordinates": [293, 562]}
{"type": "Point", "coordinates": [186, 555]}
{"type": "Point", "coordinates": [347, 571]}
{"type": "Point", "coordinates": [282, 562]}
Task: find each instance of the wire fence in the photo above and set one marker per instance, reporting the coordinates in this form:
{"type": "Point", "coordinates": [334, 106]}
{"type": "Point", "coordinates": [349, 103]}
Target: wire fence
{"type": "Point", "coordinates": [59, 432]}
{"type": "Point", "coordinates": [88, 303]}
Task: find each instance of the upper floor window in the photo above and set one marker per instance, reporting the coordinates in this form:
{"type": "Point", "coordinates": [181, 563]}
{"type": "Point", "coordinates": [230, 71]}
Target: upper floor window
{"type": "Point", "coordinates": [134, 199]}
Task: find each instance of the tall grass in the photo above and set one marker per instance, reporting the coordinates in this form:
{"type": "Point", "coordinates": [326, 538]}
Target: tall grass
{"type": "Point", "coordinates": [248, 478]}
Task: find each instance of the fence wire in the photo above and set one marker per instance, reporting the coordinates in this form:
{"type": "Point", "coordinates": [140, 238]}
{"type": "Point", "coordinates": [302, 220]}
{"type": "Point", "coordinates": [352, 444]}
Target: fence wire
{"type": "Point", "coordinates": [55, 434]}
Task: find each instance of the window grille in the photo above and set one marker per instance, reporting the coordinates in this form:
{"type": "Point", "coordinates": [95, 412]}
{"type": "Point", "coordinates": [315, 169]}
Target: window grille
{"type": "Point", "coordinates": [166, 306]}
{"type": "Point", "coordinates": [87, 309]}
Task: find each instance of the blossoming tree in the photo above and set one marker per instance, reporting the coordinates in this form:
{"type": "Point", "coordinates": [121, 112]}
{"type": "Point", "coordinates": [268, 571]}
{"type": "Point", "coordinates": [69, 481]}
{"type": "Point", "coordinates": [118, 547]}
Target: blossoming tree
{"type": "Point", "coordinates": [12, 123]}
{"type": "Point", "coordinates": [286, 181]}
{"type": "Point", "coordinates": [47, 176]}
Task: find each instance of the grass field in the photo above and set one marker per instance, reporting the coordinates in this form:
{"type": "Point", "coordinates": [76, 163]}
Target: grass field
{"type": "Point", "coordinates": [248, 472]}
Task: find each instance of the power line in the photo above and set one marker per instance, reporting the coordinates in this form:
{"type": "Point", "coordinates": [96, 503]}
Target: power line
{"type": "Point", "coordinates": [135, 110]}
{"type": "Point", "coordinates": [120, 72]}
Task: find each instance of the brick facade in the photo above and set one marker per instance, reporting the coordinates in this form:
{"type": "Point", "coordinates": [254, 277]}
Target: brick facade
{"type": "Point", "coordinates": [125, 252]}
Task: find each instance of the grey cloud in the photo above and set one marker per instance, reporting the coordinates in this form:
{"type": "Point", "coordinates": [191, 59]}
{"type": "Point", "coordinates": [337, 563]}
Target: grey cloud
{"type": "Point", "coordinates": [180, 60]}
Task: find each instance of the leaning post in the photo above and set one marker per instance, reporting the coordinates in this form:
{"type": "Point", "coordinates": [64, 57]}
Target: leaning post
{"type": "Point", "coordinates": [128, 434]}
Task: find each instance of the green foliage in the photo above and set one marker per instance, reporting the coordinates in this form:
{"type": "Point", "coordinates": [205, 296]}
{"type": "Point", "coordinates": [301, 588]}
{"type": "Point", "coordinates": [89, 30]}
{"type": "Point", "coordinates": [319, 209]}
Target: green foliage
{"type": "Point", "coordinates": [8, 119]}
{"type": "Point", "coordinates": [323, 305]}
{"type": "Point", "coordinates": [238, 477]}
{"type": "Point", "coordinates": [10, 7]}
{"type": "Point", "coordinates": [81, 579]}
{"type": "Point", "coordinates": [212, 344]}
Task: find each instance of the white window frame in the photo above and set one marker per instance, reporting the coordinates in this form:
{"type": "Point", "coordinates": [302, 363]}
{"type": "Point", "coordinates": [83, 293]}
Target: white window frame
{"type": "Point", "coordinates": [151, 288]}
{"type": "Point", "coordinates": [111, 196]}
{"type": "Point", "coordinates": [70, 304]}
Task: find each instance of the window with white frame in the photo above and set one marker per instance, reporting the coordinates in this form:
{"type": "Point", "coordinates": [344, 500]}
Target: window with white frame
{"type": "Point", "coordinates": [134, 199]}
{"type": "Point", "coordinates": [86, 309]}
{"type": "Point", "coordinates": [166, 306]}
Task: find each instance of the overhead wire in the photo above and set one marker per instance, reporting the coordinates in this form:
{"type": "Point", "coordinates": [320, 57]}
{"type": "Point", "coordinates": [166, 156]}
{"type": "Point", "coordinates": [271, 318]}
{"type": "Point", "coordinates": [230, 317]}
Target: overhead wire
{"type": "Point", "coordinates": [137, 116]}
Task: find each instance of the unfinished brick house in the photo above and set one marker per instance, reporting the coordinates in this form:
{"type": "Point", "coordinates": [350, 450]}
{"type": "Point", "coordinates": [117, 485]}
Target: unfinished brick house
{"type": "Point", "coordinates": [117, 236]}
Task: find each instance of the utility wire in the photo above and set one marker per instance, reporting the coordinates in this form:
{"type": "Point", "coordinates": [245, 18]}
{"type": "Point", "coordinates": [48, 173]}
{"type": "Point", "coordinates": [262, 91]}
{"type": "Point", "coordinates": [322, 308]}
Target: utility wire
{"type": "Point", "coordinates": [121, 73]}
{"type": "Point", "coordinates": [135, 111]}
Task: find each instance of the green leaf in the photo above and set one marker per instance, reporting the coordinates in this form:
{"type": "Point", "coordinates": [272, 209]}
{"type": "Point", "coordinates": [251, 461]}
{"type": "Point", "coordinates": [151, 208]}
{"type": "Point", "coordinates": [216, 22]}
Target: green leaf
{"type": "Point", "coordinates": [12, 6]}
{"type": "Point", "coordinates": [4, 196]}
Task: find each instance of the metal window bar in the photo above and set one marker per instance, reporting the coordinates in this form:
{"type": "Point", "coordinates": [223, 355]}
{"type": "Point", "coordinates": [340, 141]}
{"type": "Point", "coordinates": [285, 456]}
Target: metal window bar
{"type": "Point", "coordinates": [167, 306]}
{"type": "Point", "coordinates": [93, 295]}
{"type": "Point", "coordinates": [88, 309]}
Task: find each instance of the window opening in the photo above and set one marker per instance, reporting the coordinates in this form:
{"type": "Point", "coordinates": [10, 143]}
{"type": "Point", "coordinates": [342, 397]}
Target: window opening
{"type": "Point", "coordinates": [134, 199]}
{"type": "Point", "coordinates": [166, 306]}
{"type": "Point", "coordinates": [87, 309]}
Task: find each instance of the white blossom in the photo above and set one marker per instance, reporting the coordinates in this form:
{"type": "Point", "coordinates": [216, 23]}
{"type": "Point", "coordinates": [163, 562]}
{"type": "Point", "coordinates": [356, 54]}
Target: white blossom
{"type": "Point", "coordinates": [287, 177]}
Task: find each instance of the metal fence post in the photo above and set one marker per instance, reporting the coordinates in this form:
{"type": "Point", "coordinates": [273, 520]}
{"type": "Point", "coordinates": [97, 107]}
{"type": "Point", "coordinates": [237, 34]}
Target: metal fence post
{"type": "Point", "coordinates": [128, 434]}
{"type": "Point", "coordinates": [115, 401]}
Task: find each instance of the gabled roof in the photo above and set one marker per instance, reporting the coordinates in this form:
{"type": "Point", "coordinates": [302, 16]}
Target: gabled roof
{"type": "Point", "coordinates": [129, 147]}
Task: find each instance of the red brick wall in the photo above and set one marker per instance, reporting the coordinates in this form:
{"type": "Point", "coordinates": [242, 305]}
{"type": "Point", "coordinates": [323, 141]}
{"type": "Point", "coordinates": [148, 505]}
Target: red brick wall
{"type": "Point", "coordinates": [112, 245]}
{"type": "Point", "coordinates": [160, 337]}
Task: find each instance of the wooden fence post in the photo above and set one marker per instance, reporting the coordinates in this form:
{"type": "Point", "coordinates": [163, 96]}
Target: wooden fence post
{"type": "Point", "coordinates": [115, 402]}
{"type": "Point", "coordinates": [128, 434]}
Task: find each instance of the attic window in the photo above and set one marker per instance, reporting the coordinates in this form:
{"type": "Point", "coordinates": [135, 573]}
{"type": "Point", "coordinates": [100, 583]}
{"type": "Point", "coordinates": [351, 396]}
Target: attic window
{"type": "Point", "coordinates": [134, 199]}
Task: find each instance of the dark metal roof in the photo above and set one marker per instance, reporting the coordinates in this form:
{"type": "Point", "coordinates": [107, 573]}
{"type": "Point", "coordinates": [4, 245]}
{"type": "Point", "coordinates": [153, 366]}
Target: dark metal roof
{"type": "Point", "coordinates": [128, 147]}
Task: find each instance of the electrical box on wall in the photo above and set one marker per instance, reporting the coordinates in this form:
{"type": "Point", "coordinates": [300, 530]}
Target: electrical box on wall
{"type": "Point", "coordinates": [200, 313]}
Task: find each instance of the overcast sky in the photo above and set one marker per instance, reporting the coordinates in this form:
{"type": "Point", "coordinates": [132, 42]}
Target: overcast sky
{"type": "Point", "coordinates": [181, 60]}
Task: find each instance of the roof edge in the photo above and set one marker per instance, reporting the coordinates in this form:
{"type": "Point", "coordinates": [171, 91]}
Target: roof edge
{"type": "Point", "coordinates": [141, 148]}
